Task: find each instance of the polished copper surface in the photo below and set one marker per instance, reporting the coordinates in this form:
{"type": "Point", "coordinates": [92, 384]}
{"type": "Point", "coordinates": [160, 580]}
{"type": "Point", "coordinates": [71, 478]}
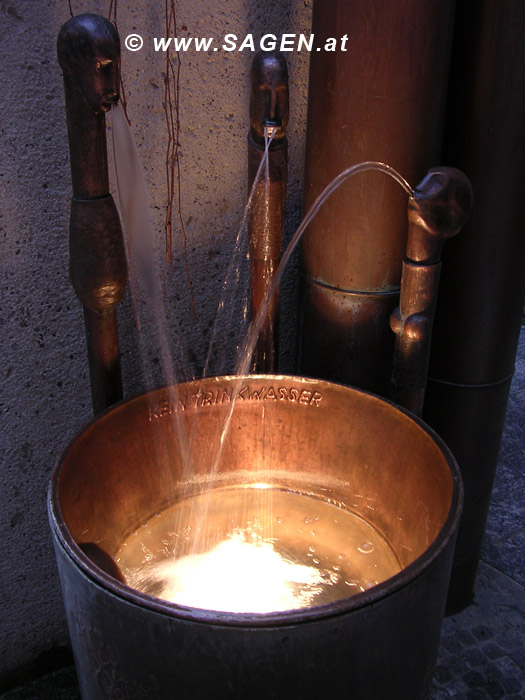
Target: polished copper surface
{"type": "Point", "coordinates": [382, 99]}
{"type": "Point", "coordinates": [311, 436]}
{"type": "Point", "coordinates": [269, 96]}
{"type": "Point", "coordinates": [268, 110]}
{"type": "Point", "coordinates": [88, 49]}
{"type": "Point", "coordinates": [437, 211]}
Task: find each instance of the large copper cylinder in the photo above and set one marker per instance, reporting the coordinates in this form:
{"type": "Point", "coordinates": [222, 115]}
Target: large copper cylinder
{"type": "Point", "coordinates": [479, 311]}
{"type": "Point", "coordinates": [334, 442]}
{"type": "Point", "coordinates": [379, 97]}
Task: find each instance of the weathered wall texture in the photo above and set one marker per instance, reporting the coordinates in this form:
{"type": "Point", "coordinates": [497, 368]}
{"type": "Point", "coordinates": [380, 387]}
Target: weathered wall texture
{"type": "Point", "coordinates": [44, 394]}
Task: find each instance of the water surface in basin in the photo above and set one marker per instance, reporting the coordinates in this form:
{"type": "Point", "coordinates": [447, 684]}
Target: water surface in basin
{"type": "Point", "coordinates": [255, 548]}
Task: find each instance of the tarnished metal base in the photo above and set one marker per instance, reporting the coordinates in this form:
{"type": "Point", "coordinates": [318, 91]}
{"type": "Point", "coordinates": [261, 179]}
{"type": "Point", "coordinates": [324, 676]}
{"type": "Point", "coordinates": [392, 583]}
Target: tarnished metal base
{"type": "Point", "coordinates": [335, 442]}
{"type": "Point", "coordinates": [471, 425]}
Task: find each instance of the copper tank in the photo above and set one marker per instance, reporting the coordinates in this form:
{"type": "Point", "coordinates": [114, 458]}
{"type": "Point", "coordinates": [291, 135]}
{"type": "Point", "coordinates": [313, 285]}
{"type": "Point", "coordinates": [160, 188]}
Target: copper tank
{"type": "Point", "coordinates": [330, 441]}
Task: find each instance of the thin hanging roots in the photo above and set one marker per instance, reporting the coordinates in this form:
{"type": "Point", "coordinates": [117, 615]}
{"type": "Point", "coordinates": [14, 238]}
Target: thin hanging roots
{"type": "Point", "coordinates": [173, 174]}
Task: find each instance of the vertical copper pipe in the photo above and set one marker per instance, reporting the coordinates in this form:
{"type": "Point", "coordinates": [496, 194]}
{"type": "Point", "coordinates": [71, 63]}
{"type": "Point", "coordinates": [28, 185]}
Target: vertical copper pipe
{"type": "Point", "coordinates": [88, 50]}
{"type": "Point", "coordinates": [437, 211]}
{"type": "Point", "coordinates": [379, 95]}
{"type": "Point", "coordinates": [268, 116]}
{"type": "Point", "coordinates": [482, 291]}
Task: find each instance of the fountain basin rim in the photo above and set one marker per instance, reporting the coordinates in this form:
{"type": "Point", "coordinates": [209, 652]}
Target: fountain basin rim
{"type": "Point", "coordinates": [336, 608]}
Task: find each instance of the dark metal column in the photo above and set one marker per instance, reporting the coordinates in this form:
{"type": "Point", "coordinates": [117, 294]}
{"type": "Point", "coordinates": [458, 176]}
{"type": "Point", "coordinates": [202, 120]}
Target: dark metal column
{"type": "Point", "coordinates": [482, 290]}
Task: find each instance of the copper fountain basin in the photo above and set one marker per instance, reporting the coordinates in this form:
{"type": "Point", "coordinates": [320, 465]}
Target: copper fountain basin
{"type": "Point", "coordinates": [306, 436]}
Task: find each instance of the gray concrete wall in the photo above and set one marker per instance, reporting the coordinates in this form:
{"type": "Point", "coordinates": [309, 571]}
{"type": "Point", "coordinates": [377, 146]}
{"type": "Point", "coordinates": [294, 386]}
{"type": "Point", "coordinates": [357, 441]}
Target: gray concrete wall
{"type": "Point", "coordinates": [44, 387]}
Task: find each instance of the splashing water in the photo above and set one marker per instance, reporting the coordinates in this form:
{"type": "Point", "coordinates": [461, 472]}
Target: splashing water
{"type": "Point", "coordinates": [215, 365]}
{"type": "Point", "coordinates": [299, 584]}
{"type": "Point", "coordinates": [307, 552]}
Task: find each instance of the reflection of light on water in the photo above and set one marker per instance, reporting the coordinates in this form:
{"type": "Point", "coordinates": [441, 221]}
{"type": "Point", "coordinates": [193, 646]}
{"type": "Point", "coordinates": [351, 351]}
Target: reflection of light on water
{"type": "Point", "coordinates": [256, 549]}
{"type": "Point", "coordinates": [244, 577]}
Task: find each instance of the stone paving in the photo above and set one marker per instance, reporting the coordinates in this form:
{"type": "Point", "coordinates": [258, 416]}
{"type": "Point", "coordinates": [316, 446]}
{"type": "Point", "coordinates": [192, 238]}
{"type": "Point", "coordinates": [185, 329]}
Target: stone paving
{"type": "Point", "coordinates": [482, 652]}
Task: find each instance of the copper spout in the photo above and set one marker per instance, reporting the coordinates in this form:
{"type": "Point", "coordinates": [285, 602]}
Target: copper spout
{"type": "Point", "coordinates": [268, 96]}
{"type": "Point", "coordinates": [268, 118]}
{"type": "Point", "coordinates": [88, 49]}
{"type": "Point", "coordinates": [437, 211]}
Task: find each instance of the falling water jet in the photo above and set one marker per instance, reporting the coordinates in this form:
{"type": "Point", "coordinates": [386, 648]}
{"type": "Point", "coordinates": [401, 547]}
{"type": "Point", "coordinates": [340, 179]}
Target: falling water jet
{"type": "Point", "coordinates": [257, 323]}
{"type": "Point", "coordinates": [197, 510]}
{"type": "Point", "coordinates": [132, 191]}
{"type": "Point", "coordinates": [233, 272]}
{"type": "Point", "coordinates": [254, 331]}
{"type": "Point", "coordinates": [201, 542]}
{"type": "Point", "coordinates": [440, 210]}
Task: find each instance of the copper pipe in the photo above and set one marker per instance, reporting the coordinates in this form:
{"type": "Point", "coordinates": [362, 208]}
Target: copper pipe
{"type": "Point", "coordinates": [437, 211]}
{"type": "Point", "coordinates": [482, 289]}
{"type": "Point", "coordinates": [268, 117]}
{"type": "Point", "coordinates": [88, 49]}
{"type": "Point", "coordinates": [381, 98]}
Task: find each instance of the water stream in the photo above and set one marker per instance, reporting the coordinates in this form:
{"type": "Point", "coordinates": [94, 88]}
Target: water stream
{"type": "Point", "coordinates": [148, 298]}
{"type": "Point", "coordinates": [155, 562]}
{"type": "Point", "coordinates": [257, 323]}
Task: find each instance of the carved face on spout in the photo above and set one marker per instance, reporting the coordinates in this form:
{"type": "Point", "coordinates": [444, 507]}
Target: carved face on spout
{"type": "Point", "coordinates": [88, 49]}
{"type": "Point", "coordinates": [269, 94]}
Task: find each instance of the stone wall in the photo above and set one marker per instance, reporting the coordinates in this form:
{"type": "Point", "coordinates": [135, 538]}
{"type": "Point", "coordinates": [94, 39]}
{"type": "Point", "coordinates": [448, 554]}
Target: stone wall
{"type": "Point", "coordinates": [44, 388]}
